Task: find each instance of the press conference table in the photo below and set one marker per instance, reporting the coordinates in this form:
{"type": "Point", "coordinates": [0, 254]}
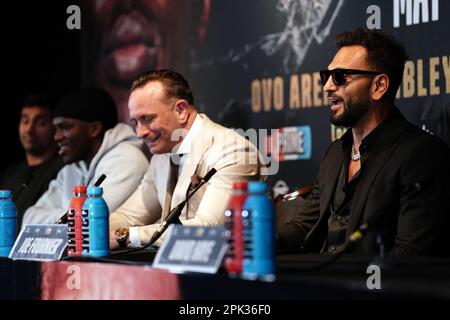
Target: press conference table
{"type": "Point", "coordinates": [131, 276]}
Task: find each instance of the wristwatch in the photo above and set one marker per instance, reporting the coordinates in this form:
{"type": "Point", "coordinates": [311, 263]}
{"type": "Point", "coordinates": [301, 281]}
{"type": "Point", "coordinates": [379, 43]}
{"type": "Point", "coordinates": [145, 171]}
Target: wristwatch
{"type": "Point", "coordinates": [121, 236]}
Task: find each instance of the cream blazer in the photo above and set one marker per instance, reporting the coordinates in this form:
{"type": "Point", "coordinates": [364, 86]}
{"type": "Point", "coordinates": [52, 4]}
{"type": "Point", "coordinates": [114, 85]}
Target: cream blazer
{"type": "Point", "coordinates": [234, 158]}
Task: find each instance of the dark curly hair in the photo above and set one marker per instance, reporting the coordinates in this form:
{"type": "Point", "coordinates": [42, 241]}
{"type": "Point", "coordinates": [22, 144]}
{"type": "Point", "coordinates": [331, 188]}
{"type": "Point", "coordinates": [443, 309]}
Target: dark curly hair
{"type": "Point", "coordinates": [384, 53]}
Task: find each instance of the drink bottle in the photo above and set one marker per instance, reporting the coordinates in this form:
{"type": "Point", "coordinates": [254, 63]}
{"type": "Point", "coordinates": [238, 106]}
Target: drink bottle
{"type": "Point", "coordinates": [233, 228]}
{"type": "Point", "coordinates": [258, 218]}
{"type": "Point", "coordinates": [97, 213]}
{"type": "Point", "coordinates": [75, 221]}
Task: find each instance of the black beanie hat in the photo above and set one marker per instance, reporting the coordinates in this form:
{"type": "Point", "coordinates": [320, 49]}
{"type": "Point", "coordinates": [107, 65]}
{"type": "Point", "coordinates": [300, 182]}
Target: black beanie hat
{"type": "Point", "coordinates": [88, 104]}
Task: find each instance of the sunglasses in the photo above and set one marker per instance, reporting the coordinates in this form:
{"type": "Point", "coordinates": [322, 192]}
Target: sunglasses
{"type": "Point", "coordinates": [338, 75]}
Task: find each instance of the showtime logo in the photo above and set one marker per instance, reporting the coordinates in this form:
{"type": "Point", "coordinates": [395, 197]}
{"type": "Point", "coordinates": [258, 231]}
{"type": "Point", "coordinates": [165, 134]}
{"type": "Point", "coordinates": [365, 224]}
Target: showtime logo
{"type": "Point", "coordinates": [289, 143]}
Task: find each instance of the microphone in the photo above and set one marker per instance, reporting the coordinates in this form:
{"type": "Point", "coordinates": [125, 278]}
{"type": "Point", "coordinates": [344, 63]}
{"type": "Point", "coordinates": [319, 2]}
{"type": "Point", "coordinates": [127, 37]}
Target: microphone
{"type": "Point", "coordinates": [371, 224]}
{"type": "Point", "coordinates": [174, 215]}
{"type": "Point", "coordinates": [97, 183]}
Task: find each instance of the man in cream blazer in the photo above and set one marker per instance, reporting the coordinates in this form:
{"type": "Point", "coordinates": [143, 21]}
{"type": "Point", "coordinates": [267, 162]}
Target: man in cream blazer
{"type": "Point", "coordinates": [161, 107]}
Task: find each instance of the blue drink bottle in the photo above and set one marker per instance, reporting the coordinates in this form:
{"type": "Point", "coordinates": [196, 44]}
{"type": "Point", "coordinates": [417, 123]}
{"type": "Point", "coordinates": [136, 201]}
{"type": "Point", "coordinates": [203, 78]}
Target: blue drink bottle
{"type": "Point", "coordinates": [259, 233]}
{"type": "Point", "coordinates": [97, 213]}
{"type": "Point", "coordinates": [8, 223]}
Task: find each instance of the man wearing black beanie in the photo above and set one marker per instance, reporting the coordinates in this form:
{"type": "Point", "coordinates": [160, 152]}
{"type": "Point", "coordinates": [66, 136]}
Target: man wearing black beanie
{"type": "Point", "coordinates": [91, 143]}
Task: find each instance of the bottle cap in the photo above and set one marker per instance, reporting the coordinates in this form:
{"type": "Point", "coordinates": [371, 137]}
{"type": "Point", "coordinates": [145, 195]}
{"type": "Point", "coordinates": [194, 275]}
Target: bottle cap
{"type": "Point", "coordinates": [5, 193]}
{"type": "Point", "coordinates": [240, 185]}
{"type": "Point", "coordinates": [257, 187]}
{"type": "Point", "coordinates": [95, 191]}
{"type": "Point", "coordinates": [79, 189]}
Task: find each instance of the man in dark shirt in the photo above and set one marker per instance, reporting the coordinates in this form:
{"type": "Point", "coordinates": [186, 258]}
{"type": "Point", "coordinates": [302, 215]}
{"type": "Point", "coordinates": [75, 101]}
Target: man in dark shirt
{"type": "Point", "coordinates": [384, 173]}
{"type": "Point", "coordinates": [29, 179]}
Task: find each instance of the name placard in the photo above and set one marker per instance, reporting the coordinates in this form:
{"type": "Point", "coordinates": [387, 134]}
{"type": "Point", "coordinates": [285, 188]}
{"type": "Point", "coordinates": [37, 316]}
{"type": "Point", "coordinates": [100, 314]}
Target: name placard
{"type": "Point", "coordinates": [40, 242]}
{"type": "Point", "coordinates": [192, 249]}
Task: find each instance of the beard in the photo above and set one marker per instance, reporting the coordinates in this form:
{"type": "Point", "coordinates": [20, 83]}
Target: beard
{"type": "Point", "coordinates": [353, 112]}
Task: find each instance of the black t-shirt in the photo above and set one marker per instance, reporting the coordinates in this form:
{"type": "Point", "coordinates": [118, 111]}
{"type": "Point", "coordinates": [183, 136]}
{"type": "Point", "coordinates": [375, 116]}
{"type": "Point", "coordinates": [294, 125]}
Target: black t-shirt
{"type": "Point", "coordinates": [29, 183]}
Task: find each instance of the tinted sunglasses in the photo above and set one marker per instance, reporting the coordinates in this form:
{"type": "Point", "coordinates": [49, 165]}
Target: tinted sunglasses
{"type": "Point", "coordinates": [338, 75]}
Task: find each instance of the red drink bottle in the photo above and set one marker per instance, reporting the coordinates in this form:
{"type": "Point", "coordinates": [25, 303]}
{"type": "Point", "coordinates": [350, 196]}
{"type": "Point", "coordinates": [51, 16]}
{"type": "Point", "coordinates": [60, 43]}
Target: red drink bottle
{"type": "Point", "coordinates": [75, 221]}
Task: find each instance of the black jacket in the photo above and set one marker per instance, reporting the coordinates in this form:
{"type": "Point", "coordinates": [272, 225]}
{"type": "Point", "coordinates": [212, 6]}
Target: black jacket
{"type": "Point", "coordinates": [404, 191]}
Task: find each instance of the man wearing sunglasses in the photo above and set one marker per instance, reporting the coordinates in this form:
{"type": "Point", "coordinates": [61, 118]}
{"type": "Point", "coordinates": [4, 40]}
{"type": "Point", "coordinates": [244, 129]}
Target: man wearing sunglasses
{"type": "Point", "coordinates": [384, 177]}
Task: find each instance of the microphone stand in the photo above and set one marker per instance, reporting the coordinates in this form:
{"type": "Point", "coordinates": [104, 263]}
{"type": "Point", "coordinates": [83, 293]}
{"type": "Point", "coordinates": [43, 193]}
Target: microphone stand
{"type": "Point", "coordinates": [174, 215]}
